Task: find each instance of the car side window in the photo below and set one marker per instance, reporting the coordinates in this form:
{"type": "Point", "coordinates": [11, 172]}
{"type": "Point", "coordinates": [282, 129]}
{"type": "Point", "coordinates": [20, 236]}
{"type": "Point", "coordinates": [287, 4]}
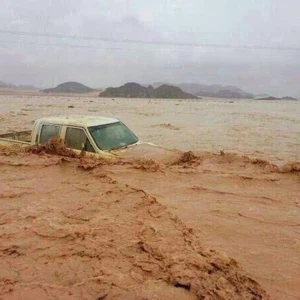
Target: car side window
{"type": "Point", "coordinates": [48, 132]}
{"type": "Point", "coordinates": [75, 138]}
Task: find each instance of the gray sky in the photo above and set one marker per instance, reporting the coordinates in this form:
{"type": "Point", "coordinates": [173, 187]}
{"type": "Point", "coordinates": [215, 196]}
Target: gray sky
{"type": "Point", "coordinates": [48, 61]}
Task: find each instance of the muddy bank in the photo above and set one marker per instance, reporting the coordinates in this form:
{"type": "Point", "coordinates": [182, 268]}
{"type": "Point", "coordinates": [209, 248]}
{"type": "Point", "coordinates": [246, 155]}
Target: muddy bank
{"type": "Point", "coordinates": [78, 233]}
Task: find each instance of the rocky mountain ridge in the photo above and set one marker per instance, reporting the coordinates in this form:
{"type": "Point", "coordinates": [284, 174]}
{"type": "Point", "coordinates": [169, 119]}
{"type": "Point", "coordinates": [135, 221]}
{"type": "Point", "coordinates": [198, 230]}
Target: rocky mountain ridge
{"type": "Point", "coordinates": [135, 90]}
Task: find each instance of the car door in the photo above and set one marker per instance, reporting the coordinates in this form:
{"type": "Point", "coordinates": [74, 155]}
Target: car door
{"type": "Point", "coordinates": [76, 138]}
{"type": "Point", "coordinates": [49, 131]}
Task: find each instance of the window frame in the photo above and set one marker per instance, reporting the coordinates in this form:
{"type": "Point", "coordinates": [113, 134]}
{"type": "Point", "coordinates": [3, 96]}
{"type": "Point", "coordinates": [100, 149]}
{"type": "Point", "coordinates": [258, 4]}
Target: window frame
{"type": "Point", "coordinates": [86, 134]}
{"type": "Point", "coordinates": [49, 124]}
{"type": "Point", "coordinates": [106, 125]}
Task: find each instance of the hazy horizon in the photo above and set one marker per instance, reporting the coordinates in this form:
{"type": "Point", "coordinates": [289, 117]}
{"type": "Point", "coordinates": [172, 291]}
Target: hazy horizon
{"type": "Point", "coordinates": [128, 40]}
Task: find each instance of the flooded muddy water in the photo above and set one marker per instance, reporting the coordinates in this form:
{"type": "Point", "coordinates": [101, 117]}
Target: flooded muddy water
{"type": "Point", "coordinates": [71, 233]}
{"type": "Point", "coordinates": [155, 223]}
{"type": "Point", "coordinates": [264, 129]}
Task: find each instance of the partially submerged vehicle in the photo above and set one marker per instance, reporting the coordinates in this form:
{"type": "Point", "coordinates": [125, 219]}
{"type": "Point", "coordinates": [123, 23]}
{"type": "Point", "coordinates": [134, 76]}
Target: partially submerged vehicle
{"type": "Point", "coordinates": [92, 134]}
{"type": "Point", "coordinates": [96, 136]}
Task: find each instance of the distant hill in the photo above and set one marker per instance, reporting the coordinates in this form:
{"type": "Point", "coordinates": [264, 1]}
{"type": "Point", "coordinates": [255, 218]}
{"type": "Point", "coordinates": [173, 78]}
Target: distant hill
{"type": "Point", "coordinates": [288, 98]}
{"type": "Point", "coordinates": [70, 87]}
{"type": "Point", "coordinates": [215, 90]}
{"type": "Point", "coordinates": [274, 98]}
{"type": "Point", "coordinates": [226, 93]}
{"type": "Point", "coordinates": [17, 87]}
{"type": "Point", "coordinates": [128, 90]}
{"type": "Point", "coordinates": [268, 98]}
{"type": "Point", "coordinates": [135, 90]}
{"type": "Point", "coordinates": [171, 92]}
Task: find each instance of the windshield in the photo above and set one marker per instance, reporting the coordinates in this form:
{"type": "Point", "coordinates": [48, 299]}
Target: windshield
{"type": "Point", "coordinates": [112, 136]}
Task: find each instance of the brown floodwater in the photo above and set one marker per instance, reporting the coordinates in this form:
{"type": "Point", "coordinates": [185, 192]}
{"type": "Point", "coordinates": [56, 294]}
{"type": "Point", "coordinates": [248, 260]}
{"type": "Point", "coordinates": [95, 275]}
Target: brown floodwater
{"type": "Point", "coordinates": [70, 230]}
{"type": "Point", "coordinates": [264, 129]}
{"type": "Point", "coordinates": [156, 223]}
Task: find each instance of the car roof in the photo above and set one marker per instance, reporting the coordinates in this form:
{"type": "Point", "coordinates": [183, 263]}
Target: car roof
{"type": "Point", "coordinates": [78, 120]}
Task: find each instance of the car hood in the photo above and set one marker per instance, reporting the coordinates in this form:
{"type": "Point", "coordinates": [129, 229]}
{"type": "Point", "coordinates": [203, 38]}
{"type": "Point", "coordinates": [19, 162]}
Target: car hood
{"type": "Point", "coordinates": [146, 151]}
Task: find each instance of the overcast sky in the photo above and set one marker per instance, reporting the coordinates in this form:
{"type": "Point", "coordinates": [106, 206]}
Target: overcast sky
{"type": "Point", "coordinates": [48, 61]}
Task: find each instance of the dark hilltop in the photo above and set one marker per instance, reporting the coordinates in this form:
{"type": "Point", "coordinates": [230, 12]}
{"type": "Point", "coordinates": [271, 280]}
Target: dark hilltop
{"type": "Point", "coordinates": [70, 87]}
{"type": "Point", "coordinates": [213, 91]}
{"type": "Point", "coordinates": [274, 98]}
{"type": "Point", "coordinates": [135, 90]}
